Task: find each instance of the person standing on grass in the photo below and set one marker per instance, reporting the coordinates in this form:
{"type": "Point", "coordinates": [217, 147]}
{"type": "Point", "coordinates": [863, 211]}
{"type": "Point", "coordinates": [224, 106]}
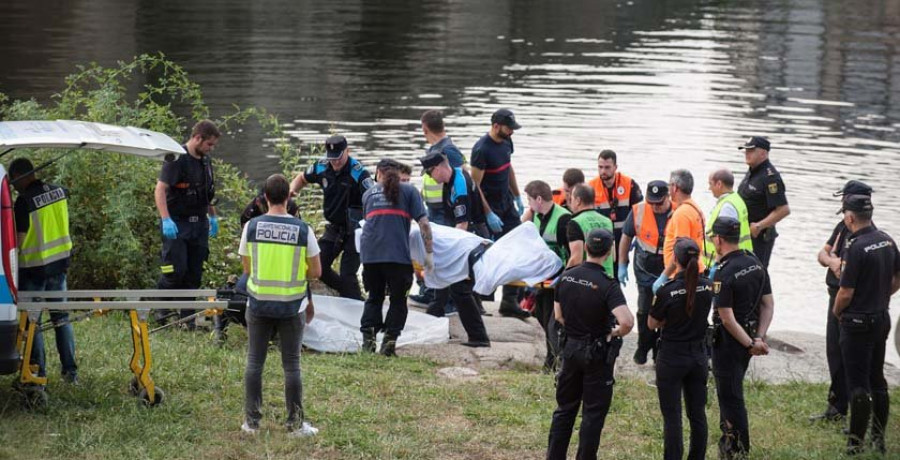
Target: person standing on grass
{"type": "Point", "coordinates": [279, 253]}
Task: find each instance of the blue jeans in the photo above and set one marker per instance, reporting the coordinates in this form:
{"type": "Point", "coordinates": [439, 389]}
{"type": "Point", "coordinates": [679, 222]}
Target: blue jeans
{"type": "Point", "coordinates": [65, 337]}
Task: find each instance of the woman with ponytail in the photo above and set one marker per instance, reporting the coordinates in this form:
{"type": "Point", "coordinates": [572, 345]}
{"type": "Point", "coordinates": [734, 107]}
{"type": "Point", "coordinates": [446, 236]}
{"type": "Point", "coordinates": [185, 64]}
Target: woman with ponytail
{"type": "Point", "coordinates": [384, 251]}
{"type": "Point", "coordinates": [680, 310]}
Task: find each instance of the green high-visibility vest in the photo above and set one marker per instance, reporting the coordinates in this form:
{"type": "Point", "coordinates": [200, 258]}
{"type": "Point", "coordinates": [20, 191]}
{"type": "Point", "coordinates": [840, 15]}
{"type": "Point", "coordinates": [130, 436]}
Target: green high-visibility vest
{"type": "Point", "coordinates": [589, 220]}
{"type": "Point", "coordinates": [549, 234]}
{"type": "Point", "coordinates": [277, 281]}
{"type": "Point", "coordinates": [746, 242]}
{"type": "Point", "coordinates": [47, 239]}
{"type": "Point", "coordinates": [432, 191]}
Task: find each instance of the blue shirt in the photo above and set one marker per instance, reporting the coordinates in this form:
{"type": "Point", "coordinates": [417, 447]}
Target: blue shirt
{"type": "Point", "coordinates": [446, 146]}
{"type": "Point", "coordinates": [385, 237]}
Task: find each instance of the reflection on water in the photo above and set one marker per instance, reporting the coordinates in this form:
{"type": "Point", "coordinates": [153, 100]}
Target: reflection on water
{"type": "Point", "coordinates": [666, 84]}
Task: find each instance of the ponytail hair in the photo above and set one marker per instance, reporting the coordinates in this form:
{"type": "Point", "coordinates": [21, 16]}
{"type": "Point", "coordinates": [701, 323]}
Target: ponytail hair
{"type": "Point", "coordinates": [691, 277]}
{"type": "Point", "coordinates": [390, 179]}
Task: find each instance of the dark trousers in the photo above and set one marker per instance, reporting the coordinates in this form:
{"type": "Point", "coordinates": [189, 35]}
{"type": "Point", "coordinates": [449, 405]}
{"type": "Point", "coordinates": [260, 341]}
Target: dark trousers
{"type": "Point", "coordinates": [183, 257]}
{"type": "Point", "coordinates": [464, 299]}
{"type": "Point", "coordinates": [62, 328]}
{"type": "Point", "coordinates": [290, 331]}
{"type": "Point", "coordinates": [340, 241]}
{"type": "Point", "coordinates": [378, 277]}
{"type": "Point", "coordinates": [762, 247]}
{"type": "Point", "coordinates": [586, 380]}
{"type": "Point", "coordinates": [838, 395]}
{"type": "Point", "coordinates": [681, 366]}
{"type": "Point", "coordinates": [647, 338]}
{"type": "Point", "coordinates": [543, 311]}
{"type": "Point", "coordinates": [730, 361]}
{"type": "Point", "coordinates": [863, 347]}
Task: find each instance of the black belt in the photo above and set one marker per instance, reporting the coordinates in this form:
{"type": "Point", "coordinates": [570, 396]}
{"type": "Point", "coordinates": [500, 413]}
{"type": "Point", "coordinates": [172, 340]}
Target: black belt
{"type": "Point", "coordinates": [475, 256]}
{"type": "Point", "coordinates": [194, 218]}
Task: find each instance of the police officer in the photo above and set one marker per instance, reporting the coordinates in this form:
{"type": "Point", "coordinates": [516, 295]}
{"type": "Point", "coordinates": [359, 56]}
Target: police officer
{"type": "Point", "coordinates": [185, 199]}
{"type": "Point", "coordinates": [645, 225]}
{"type": "Point", "coordinates": [870, 275]}
{"type": "Point", "coordinates": [343, 181]}
{"type": "Point", "coordinates": [42, 230]}
{"type": "Point", "coordinates": [258, 206]}
{"type": "Point", "coordinates": [680, 310]}
{"type": "Point", "coordinates": [830, 257]}
{"type": "Point", "coordinates": [763, 192]}
{"type": "Point", "coordinates": [730, 204]}
{"type": "Point", "coordinates": [279, 254]}
{"type": "Point", "coordinates": [461, 204]}
{"type": "Point", "coordinates": [495, 176]}
{"type": "Point", "coordinates": [587, 299]}
{"type": "Point", "coordinates": [743, 312]}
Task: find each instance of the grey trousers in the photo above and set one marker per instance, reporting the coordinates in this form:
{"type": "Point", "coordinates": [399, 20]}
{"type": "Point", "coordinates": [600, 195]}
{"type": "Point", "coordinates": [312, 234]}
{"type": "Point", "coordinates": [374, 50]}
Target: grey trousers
{"type": "Point", "coordinates": [290, 334]}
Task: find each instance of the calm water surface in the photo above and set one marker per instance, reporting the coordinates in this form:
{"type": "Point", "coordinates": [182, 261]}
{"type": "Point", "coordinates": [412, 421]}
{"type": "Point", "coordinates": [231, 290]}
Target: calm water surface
{"type": "Point", "coordinates": [666, 84]}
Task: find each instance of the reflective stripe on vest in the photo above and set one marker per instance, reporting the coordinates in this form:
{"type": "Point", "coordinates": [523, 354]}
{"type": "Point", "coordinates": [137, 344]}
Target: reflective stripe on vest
{"type": "Point", "coordinates": [589, 220]}
{"type": "Point", "coordinates": [621, 195]}
{"type": "Point", "coordinates": [277, 259]}
{"type": "Point", "coordinates": [549, 234]}
{"type": "Point", "coordinates": [433, 191]}
{"type": "Point", "coordinates": [47, 239]}
{"type": "Point", "coordinates": [745, 241]}
{"type": "Point", "coordinates": [646, 230]}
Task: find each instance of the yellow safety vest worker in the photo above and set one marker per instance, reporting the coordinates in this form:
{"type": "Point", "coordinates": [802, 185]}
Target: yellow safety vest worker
{"type": "Point", "coordinates": [745, 242]}
{"type": "Point", "coordinates": [277, 281]}
{"type": "Point", "coordinates": [47, 239]}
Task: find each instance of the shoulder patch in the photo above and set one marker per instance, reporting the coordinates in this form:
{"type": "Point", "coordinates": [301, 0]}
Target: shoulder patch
{"type": "Point", "coordinates": [769, 172]}
{"type": "Point", "coordinates": [368, 183]}
{"type": "Point", "coordinates": [717, 286]}
{"type": "Point", "coordinates": [773, 187]}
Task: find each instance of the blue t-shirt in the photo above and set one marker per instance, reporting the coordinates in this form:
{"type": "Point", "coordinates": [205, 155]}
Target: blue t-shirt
{"type": "Point", "coordinates": [446, 146]}
{"type": "Point", "coordinates": [495, 160]}
{"type": "Point", "coordinates": [385, 237]}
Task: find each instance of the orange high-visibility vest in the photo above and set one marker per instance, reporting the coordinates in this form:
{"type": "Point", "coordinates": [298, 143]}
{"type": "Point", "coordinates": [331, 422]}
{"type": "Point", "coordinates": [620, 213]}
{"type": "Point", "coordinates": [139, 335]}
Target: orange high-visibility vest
{"type": "Point", "coordinates": [617, 206]}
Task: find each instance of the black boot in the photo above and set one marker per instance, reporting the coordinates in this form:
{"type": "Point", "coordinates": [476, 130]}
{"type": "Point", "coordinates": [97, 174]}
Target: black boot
{"type": "Point", "coordinates": [860, 410]}
{"type": "Point", "coordinates": [880, 408]}
{"type": "Point", "coordinates": [509, 305]}
{"type": "Point", "coordinates": [640, 355]}
{"type": "Point", "coordinates": [389, 345]}
{"type": "Point", "coordinates": [368, 344]}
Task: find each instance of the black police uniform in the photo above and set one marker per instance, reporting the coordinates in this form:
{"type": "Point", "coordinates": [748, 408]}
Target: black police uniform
{"type": "Point", "coordinates": [870, 262]}
{"type": "Point", "coordinates": [587, 296]}
{"type": "Point", "coordinates": [191, 191]}
{"type": "Point", "coordinates": [343, 192]}
{"type": "Point", "coordinates": [762, 191]}
{"type": "Point", "coordinates": [740, 283]}
{"type": "Point", "coordinates": [681, 364]}
{"type": "Point", "coordinates": [838, 395]}
{"type": "Point", "coordinates": [462, 203]}
{"type": "Point", "coordinates": [258, 206]}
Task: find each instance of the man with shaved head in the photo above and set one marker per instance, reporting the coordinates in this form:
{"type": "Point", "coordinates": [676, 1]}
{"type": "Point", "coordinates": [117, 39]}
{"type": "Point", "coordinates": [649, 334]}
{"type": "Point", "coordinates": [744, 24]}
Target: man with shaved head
{"type": "Point", "coordinates": [729, 204]}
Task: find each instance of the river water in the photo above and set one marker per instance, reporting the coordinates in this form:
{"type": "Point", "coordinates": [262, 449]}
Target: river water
{"type": "Point", "coordinates": [666, 84]}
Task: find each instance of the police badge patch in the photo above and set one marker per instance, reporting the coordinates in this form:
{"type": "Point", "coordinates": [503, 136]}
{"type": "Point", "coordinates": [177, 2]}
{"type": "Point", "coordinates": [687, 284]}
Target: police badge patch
{"type": "Point", "coordinates": [620, 190]}
{"type": "Point", "coordinates": [773, 187]}
{"type": "Point", "coordinates": [717, 286]}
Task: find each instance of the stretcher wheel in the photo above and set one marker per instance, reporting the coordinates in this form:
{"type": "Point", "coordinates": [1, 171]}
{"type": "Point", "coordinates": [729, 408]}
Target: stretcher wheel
{"type": "Point", "coordinates": [35, 397]}
{"type": "Point", "coordinates": [158, 397]}
{"type": "Point", "coordinates": [133, 387]}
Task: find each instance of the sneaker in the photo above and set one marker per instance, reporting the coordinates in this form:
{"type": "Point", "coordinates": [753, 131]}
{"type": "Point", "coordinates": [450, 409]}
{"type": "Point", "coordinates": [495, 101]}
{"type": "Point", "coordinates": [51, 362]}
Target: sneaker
{"type": "Point", "coordinates": [450, 310]}
{"type": "Point", "coordinates": [246, 428]}
{"type": "Point", "coordinates": [420, 300]}
{"type": "Point", "coordinates": [306, 430]}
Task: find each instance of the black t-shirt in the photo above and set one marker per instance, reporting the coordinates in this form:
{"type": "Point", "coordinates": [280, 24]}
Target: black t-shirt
{"type": "Point", "coordinates": [669, 305]}
{"type": "Point", "coordinates": [191, 185]}
{"type": "Point", "coordinates": [587, 297]}
{"type": "Point", "coordinates": [837, 240]}
{"type": "Point", "coordinates": [740, 283]}
{"type": "Point", "coordinates": [762, 191]}
{"type": "Point", "coordinates": [869, 263]}
{"type": "Point", "coordinates": [343, 190]}
{"type": "Point", "coordinates": [258, 206]}
{"type": "Point", "coordinates": [561, 227]}
{"type": "Point", "coordinates": [495, 160]}
{"type": "Point", "coordinates": [461, 200]}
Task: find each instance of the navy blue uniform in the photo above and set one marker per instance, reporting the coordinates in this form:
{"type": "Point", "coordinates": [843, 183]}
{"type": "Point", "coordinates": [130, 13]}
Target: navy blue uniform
{"type": "Point", "coordinates": [342, 204]}
{"type": "Point", "coordinates": [495, 160]}
{"type": "Point", "coordinates": [838, 394]}
{"type": "Point", "coordinates": [446, 147]}
{"type": "Point", "coordinates": [682, 364]}
{"type": "Point", "coordinates": [762, 191]}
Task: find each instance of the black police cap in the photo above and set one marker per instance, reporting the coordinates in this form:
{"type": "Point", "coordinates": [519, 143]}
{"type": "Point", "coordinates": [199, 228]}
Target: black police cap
{"type": "Point", "coordinates": [857, 203]}
{"type": "Point", "coordinates": [685, 250]}
{"type": "Point", "coordinates": [657, 191]}
{"type": "Point", "coordinates": [335, 146]}
{"type": "Point", "coordinates": [854, 187]}
{"type": "Point", "coordinates": [756, 142]}
{"type": "Point", "coordinates": [505, 117]}
{"type": "Point", "coordinates": [727, 227]}
{"type": "Point", "coordinates": [432, 159]}
{"type": "Point", "coordinates": [598, 241]}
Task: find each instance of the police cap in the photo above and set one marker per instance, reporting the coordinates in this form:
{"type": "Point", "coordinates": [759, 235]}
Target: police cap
{"type": "Point", "coordinates": [854, 187]}
{"type": "Point", "coordinates": [431, 160]}
{"type": "Point", "coordinates": [335, 146]}
{"type": "Point", "coordinates": [685, 250]}
{"type": "Point", "coordinates": [756, 142]}
{"type": "Point", "coordinates": [857, 203]}
{"type": "Point", "coordinates": [727, 227]}
{"type": "Point", "coordinates": [657, 191]}
{"type": "Point", "coordinates": [598, 241]}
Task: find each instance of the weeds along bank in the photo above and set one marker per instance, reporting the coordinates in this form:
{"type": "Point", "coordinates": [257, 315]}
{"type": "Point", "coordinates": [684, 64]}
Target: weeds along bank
{"type": "Point", "coordinates": [114, 223]}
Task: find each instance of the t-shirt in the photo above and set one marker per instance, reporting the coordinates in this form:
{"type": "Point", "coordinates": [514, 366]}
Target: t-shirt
{"type": "Point", "coordinates": [587, 296]}
{"type": "Point", "coordinates": [495, 160]}
{"type": "Point", "coordinates": [449, 149]}
{"type": "Point", "coordinates": [740, 283]}
{"type": "Point", "coordinates": [869, 263]}
{"type": "Point", "coordinates": [312, 246]}
{"type": "Point", "coordinates": [342, 190]}
{"type": "Point", "coordinates": [762, 191]}
{"type": "Point", "coordinates": [385, 237]}
{"type": "Point", "coordinates": [686, 222]}
{"type": "Point", "coordinates": [670, 305]}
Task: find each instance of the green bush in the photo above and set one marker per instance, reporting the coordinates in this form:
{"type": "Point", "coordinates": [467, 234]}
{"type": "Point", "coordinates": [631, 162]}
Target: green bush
{"type": "Point", "coordinates": [113, 219]}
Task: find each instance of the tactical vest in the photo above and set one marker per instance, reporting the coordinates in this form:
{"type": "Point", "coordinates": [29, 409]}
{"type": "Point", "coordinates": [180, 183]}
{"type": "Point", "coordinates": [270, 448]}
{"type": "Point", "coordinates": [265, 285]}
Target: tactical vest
{"type": "Point", "coordinates": [277, 282]}
{"type": "Point", "coordinates": [191, 198]}
{"type": "Point", "coordinates": [589, 220]}
{"type": "Point", "coordinates": [745, 243]}
{"type": "Point", "coordinates": [47, 239]}
{"type": "Point", "coordinates": [549, 234]}
{"type": "Point", "coordinates": [617, 206]}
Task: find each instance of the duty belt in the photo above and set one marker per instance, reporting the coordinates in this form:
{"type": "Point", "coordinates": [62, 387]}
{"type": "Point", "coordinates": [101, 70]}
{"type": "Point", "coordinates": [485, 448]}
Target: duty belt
{"type": "Point", "coordinates": [189, 218]}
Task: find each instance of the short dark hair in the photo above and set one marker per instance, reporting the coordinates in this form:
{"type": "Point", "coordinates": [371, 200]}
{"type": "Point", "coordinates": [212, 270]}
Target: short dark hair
{"type": "Point", "coordinates": [277, 189]}
{"type": "Point", "coordinates": [20, 167]}
{"type": "Point", "coordinates": [607, 155]}
{"type": "Point", "coordinates": [539, 188]}
{"type": "Point", "coordinates": [730, 239]}
{"type": "Point", "coordinates": [725, 176]}
{"type": "Point", "coordinates": [584, 192]}
{"type": "Point", "coordinates": [205, 129]}
{"type": "Point", "coordinates": [433, 120]}
{"type": "Point", "coordinates": [573, 177]}
{"type": "Point", "coordinates": [862, 216]}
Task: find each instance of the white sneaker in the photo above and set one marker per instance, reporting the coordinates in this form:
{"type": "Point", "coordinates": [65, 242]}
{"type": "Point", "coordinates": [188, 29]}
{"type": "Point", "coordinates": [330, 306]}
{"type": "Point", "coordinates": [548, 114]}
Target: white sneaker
{"type": "Point", "coordinates": [306, 430]}
{"type": "Point", "coordinates": [246, 428]}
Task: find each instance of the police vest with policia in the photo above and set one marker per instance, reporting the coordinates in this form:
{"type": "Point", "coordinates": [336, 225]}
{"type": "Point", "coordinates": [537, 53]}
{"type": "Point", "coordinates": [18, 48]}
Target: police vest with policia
{"type": "Point", "coordinates": [743, 312]}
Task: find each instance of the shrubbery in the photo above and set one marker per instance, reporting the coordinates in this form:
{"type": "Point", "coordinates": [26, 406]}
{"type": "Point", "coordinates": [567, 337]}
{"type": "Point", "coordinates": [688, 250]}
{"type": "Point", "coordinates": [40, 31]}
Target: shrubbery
{"type": "Point", "coordinates": [114, 222]}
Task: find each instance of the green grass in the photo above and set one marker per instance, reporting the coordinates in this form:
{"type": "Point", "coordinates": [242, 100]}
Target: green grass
{"type": "Point", "coordinates": [365, 406]}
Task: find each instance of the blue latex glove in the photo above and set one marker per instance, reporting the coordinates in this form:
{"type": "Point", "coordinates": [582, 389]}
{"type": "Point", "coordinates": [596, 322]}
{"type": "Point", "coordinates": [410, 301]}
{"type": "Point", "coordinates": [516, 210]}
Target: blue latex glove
{"type": "Point", "coordinates": [494, 222]}
{"type": "Point", "coordinates": [519, 205]}
{"type": "Point", "coordinates": [623, 274]}
{"type": "Point", "coordinates": [712, 271]}
{"type": "Point", "coordinates": [659, 282]}
{"type": "Point", "coordinates": [213, 226]}
{"type": "Point", "coordinates": [169, 229]}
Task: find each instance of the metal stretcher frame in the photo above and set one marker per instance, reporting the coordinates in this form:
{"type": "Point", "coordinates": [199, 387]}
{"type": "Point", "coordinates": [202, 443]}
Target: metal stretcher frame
{"type": "Point", "coordinates": [32, 303]}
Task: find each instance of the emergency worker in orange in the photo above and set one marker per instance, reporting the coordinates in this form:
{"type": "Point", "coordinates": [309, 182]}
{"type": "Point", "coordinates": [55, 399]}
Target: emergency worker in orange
{"type": "Point", "coordinates": [686, 222]}
{"type": "Point", "coordinates": [645, 226]}
{"type": "Point", "coordinates": [614, 192]}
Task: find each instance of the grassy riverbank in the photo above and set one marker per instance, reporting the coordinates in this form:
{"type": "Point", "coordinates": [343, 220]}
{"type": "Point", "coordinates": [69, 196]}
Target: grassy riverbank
{"type": "Point", "coordinates": [365, 406]}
